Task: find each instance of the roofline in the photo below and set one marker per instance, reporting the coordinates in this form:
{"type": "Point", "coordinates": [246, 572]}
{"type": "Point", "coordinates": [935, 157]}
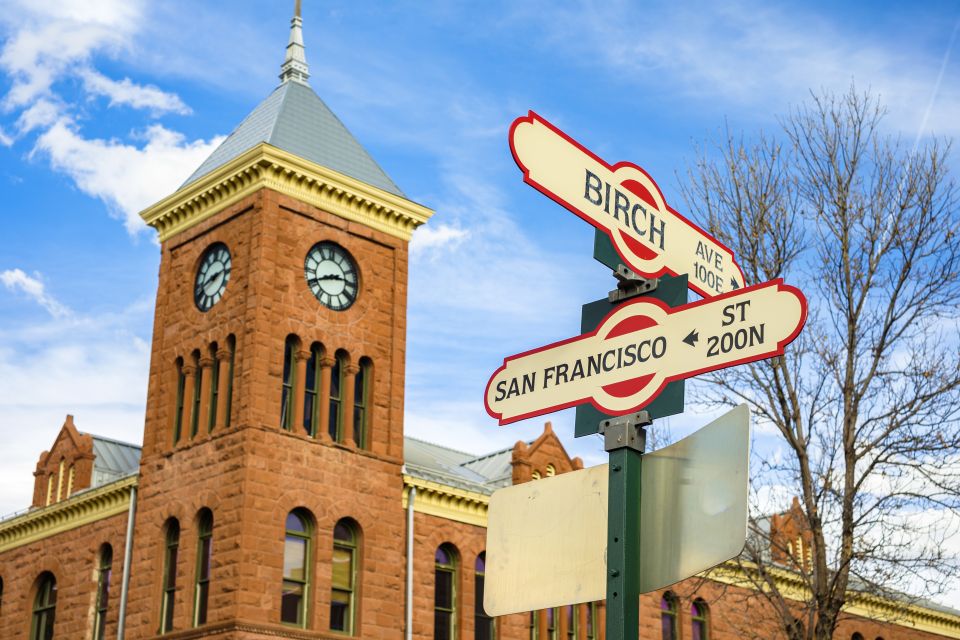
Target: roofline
{"type": "Point", "coordinates": [266, 166]}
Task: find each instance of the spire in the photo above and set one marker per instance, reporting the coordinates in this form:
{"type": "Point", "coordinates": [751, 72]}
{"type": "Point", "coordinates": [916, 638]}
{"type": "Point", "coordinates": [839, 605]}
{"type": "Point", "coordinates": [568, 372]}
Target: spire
{"type": "Point", "coordinates": [295, 65]}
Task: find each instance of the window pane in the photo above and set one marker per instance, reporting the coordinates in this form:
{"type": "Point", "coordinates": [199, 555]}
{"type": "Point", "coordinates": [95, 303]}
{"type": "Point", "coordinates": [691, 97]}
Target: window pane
{"type": "Point", "coordinates": [339, 606]}
{"type": "Point", "coordinates": [171, 567]}
{"type": "Point", "coordinates": [441, 556]}
{"type": "Point", "coordinates": [342, 571]}
{"type": "Point", "coordinates": [444, 589]}
{"type": "Point", "coordinates": [441, 625]}
{"type": "Point", "coordinates": [481, 565]}
{"type": "Point", "coordinates": [203, 590]}
{"type": "Point", "coordinates": [295, 523]}
{"type": "Point", "coordinates": [342, 532]}
{"type": "Point", "coordinates": [291, 602]}
{"type": "Point", "coordinates": [295, 558]}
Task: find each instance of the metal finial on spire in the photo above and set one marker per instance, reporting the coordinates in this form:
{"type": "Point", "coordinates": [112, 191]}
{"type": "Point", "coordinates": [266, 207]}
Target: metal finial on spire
{"type": "Point", "coordinates": [295, 64]}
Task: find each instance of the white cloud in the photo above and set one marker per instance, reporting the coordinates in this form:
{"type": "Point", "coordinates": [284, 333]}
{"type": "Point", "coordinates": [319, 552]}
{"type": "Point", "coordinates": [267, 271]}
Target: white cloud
{"type": "Point", "coordinates": [17, 280]}
{"type": "Point", "coordinates": [126, 92]}
{"type": "Point", "coordinates": [437, 239]}
{"type": "Point", "coordinates": [126, 177]}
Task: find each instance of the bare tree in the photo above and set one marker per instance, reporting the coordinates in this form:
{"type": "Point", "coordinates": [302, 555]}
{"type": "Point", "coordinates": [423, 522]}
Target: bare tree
{"type": "Point", "coordinates": [865, 402]}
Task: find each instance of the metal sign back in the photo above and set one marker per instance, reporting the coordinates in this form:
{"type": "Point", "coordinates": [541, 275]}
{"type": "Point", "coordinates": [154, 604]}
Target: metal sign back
{"type": "Point", "coordinates": [546, 540]}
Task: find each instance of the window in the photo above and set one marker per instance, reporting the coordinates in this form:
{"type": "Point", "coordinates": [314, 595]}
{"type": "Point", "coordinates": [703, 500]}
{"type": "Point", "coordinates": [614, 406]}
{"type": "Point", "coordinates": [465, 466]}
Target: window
{"type": "Point", "coordinates": [214, 388]}
{"type": "Point", "coordinates": [571, 618]}
{"type": "Point", "coordinates": [445, 593]}
{"type": "Point", "coordinates": [552, 624]}
{"type": "Point", "coordinates": [534, 625]}
{"type": "Point", "coordinates": [336, 387]}
{"type": "Point", "coordinates": [104, 574]}
{"type": "Point", "coordinates": [699, 620]}
{"type": "Point", "coordinates": [361, 400]}
{"type": "Point", "coordinates": [343, 596]}
{"type": "Point", "coordinates": [551, 471]}
{"type": "Point", "coordinates": [71, 472]}
{"type": "Point", "coordinates": [1, 596]}
{"type": "Point", "coordinates": [232, 346]}
{"type": "Point", "coordinates": [592, 621]}
{"type": "Point", "coordinates": [668, 616]}
{"type": "Point", "coordinates": [296, 568]}
{"type": "Point", "coordinates": [50, 489]}
{"type": "Point", "coordinates": [44, 608]}
{"type": "Point", "coordinates": [178, 409]}
{"type": "Point", "coordinates": [311, 390]}
{"type": "Point", "coordinates": [195, 409]}
{"type": "Point", "coordinates": [201, 590]}
{"type": "Point", "coordinates": [856, 636]}
{"type": "Point", "coordinates": [172, 545]}
{"type": "Point", "coordinates": [289, 375]}
{"type": "Point", "coordinates": [483, 627]}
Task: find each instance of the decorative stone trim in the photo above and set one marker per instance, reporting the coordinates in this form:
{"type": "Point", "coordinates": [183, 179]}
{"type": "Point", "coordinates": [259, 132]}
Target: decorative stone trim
{"type": "Point", "coordinates": [447, 502]}
{"type": "Point", "coordinates": [864, 605]}
{"type": "Point", "coordinates": [76, 511]}
{"type": "Point", "coordinates": [270, 167]}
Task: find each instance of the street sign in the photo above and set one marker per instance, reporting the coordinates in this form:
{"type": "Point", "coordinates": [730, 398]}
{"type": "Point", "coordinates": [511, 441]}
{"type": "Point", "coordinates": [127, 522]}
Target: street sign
{"type": "Point", "coordinates": [672, 291]}
{"type": "Point", "coordinates": [625, 203]}
{"type": "Point", "coordinates": [641, 346]}
{"type": "Point", "coordinates": [546, 539]}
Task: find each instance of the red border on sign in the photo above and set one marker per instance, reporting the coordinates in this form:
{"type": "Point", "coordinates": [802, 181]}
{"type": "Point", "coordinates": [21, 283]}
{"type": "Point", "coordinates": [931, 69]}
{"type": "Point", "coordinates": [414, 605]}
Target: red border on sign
{"type": "Point", "coordinates": [533, 116]}
{"type": "Point", "coordinates": [778, 283]}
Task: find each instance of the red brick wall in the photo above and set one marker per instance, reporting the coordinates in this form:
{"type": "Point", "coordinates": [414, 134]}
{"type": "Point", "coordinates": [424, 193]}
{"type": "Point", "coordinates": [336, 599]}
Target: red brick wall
{"type": "Point", "coordinates": [73, 557]}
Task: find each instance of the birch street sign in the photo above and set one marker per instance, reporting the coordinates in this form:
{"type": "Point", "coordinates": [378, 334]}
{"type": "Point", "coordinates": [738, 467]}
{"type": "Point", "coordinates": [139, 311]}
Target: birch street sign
{"type": "Point", "coordinates": [546, 539]}
{"type": "Point", "coordinates": [641, 346]}
{"type": "Point", "coordinates": [625, 203]}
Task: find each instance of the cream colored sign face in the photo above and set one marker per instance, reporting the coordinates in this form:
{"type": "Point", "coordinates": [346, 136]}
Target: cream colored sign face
{"type": "Point", "coordinates": [547, 539]}
{"type": "Point", "coordinates": [641, 346]}
{"type": "Point", "coordinates": [625, 203]}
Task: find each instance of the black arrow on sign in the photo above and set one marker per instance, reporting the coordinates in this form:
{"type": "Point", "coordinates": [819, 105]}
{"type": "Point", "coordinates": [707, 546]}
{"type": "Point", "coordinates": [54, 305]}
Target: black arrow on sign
{"type": "Point", "coordinates": [692, 338]}
{"type": "Point", "coordinates": [734, 284]}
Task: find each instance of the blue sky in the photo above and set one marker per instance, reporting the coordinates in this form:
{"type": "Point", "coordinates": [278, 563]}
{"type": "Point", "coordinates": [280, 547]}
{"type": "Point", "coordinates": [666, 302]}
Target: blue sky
{"type": "Point", "coordinates": [107, 105]}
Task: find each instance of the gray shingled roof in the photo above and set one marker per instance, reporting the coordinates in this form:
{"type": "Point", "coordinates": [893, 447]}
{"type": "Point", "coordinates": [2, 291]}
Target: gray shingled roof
{"type": "Point", "coordinates": [482, 474]}
{"type": "Point", "coordinates": [295, 119]}
{"type": "Point", "coordinates": [113, 460]}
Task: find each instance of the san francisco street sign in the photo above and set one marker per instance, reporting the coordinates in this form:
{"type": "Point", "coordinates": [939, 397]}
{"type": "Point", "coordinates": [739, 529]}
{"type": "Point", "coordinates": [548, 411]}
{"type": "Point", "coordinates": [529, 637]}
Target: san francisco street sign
{"type": "Point", "coordinates": [547, 539]}
{"type": "Point", "coordinates": [626, 204]}
{"type": "Point", "coordinates": [641, 346]}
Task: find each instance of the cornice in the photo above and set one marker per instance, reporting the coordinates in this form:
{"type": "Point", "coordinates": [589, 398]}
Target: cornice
{"type": "Point", "coordinates": [76, 511]}
{"type": "Point", "coordinates": [266, 166]}
{"type": "Point", "coordinates": [447, 502]}
{"type": "Point", "coordinates": [863, 605]}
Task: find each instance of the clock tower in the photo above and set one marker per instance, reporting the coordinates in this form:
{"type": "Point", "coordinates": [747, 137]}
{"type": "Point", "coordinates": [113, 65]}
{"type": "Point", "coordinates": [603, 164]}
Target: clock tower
{"type": "Point", "coordinates": [273, 438]}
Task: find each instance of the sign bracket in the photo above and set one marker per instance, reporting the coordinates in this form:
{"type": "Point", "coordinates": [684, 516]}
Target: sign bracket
{"type": "Point", "coordinates": [626, 431]}
{"type": "Point", "coordinates": [630, 285]}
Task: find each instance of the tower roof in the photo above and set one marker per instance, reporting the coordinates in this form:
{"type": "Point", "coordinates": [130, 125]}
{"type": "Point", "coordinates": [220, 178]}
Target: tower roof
{"type": "Point", "coordinates": [294, 118]}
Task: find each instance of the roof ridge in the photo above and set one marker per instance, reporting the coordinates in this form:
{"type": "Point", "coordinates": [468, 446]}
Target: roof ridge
{"type": "Point", "coordinates": [442, 446]}
{"type": "Point", "coordinates": [112, 440]}
{"type": "Point", "coordinates": [283, 100]}
{"type": "Point", "coordinates": [493, 453]}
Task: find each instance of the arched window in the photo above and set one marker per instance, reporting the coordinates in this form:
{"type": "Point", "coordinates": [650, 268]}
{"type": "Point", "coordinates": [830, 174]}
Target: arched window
{"type": "Point", "coordinates": [483, 627]}
{"type": "Point", "coordinates": [195, 409]}
{"type": "Point", "coordinates": [296, 568]}
{"type": "Point", "coordinates": [289, 381]}
{"type": "Point", "coordinates": [71, 472]}
{"type": "Point", "coordinates": [344, 591]}
{"type": "Point", "coordinates": [552, 622]}
{"type": "Point", "coordinates": [201, 589]}
{"type": "Point", "coordinates": [60, 479]}
{"type": "Point", "coordinates": [44, 608]}
{"type": "Point", "coordinates": [699, 620]}
{"type": "Point", "coordinates": [311, 390]}
{"type": "Point", "coordinates": [50, 495]}
{"type": "Point", "coordinates": [534, 625]}
{"type": "Point", "coordinates": [668, 616]}
{"type": "Point", "coordinates": [171, 548]}
{"type": "Point", "coordinates": [445, 593]}
{"type": "Point", "coordinates": [104, 574]}
{"type": "Point", "coordinates": [361, 401]}
{"type": "Point", "coordinates": [856, 636]}
{"type": "Point", "coordinates": [551, 471]}
{"type": "Point", "coordinates": [211, 416]}
{"type": "Point", "coordinates": [178, 408]}
{"type": "Point", "coordinates": [336, 388]}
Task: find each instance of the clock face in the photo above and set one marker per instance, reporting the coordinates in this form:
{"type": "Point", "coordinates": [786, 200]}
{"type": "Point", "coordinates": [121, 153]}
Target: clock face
{"type": "Point", "coordinates": [332, 275]}
{"type": "Point", "coordinates": [212, 276]}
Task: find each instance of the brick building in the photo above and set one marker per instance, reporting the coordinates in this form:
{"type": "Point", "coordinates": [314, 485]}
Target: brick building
{"type": "Point", "coordinates": [275, 494]}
